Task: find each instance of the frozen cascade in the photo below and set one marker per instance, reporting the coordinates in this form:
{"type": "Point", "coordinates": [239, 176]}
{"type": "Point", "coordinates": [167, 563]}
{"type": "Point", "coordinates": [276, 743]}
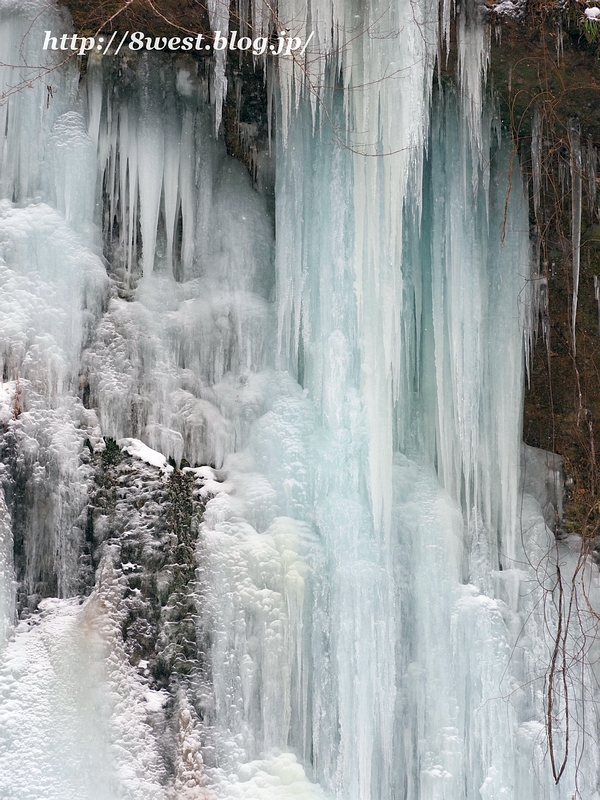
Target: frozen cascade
{"type": "Point", "coordinates": [344, 595]}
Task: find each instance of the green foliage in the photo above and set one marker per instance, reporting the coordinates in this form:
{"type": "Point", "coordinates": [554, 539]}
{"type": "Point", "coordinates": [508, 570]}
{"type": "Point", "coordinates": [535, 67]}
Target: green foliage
{"type": "Point", "coordinates": [180, 487]}
{"type": "Point", "coordinates": [111, 455]}
{"type": "Point", "coordinates": [178, 648]}
{"type": "Point", "coordinates": [590, 29]}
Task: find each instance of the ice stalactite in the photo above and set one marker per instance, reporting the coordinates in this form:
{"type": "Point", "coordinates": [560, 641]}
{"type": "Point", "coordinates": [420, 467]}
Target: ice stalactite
{"type": "Point", "coordinates": [473, 41]}
{"type": "Point", "coordinates": [146, 170]}
{"type": "Point", "coordinates": [349, 360]}
{"type": "Point", "coordinates": [464, 285]}
{"type": "Point", "coordinates": [53, 291]}
{"type": "Point", "coordinates": [218, 14]}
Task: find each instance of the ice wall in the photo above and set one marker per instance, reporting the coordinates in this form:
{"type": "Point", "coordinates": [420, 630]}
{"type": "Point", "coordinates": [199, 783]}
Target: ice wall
{"type": "Point", "coordinates": [373, 600]}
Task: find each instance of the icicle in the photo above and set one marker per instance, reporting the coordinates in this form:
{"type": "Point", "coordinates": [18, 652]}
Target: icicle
{"type": "Point", "coordinates": [559, 40]}
{"type": "Point", "coordinates": [473, 39]}
{"type": "Point", "coordinates": [125, 143]}
{"type": "Point", "coordinates": [262, 18]}
{"type": "Point", "coordinates": [171, 185]}
{"type": "Point", "coordinates": [447, 8]}
{"type": "Point", "coordinates": [150, 178]}
{"type": "Point", "coordinates": [186, 189]}
{"type": "Point", "coordinates": [563, 176]}
{"type": "Point", "coordinates": [576, 185]}
{"type": "Point", "coordinates": [95, 97]}
{"type": "Point", "coordinates": [71, 165]}
{"type": "Point", "coordinates": [218, 15]}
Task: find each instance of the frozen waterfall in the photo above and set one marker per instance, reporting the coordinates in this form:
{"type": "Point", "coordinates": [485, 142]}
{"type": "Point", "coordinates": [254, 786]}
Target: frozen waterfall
{"type": "Point", "coordinates": [263, 527]}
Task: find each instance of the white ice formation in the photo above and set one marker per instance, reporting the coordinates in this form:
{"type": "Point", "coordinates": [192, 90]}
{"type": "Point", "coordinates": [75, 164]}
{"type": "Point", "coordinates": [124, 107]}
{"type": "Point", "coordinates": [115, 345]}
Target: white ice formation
{"type": "Point", "coordinates": [356, 598]}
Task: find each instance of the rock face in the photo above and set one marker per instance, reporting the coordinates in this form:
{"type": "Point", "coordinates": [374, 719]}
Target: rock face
{"type": "Point", "coordinates": [143, 526]}
{"type": "Point", "coordinates": [544, 70]}
{"type": "Point", "coordinates": [148, 520]}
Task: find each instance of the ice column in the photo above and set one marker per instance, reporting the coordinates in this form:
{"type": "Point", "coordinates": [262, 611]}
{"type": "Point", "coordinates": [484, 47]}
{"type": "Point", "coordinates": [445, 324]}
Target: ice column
{"type": "Point", "coordinates": [384, 112]}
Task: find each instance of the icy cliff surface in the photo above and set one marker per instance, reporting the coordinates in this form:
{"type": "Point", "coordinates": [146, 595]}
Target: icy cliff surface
{"type": "Point", "coordinates": [262, 532]}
